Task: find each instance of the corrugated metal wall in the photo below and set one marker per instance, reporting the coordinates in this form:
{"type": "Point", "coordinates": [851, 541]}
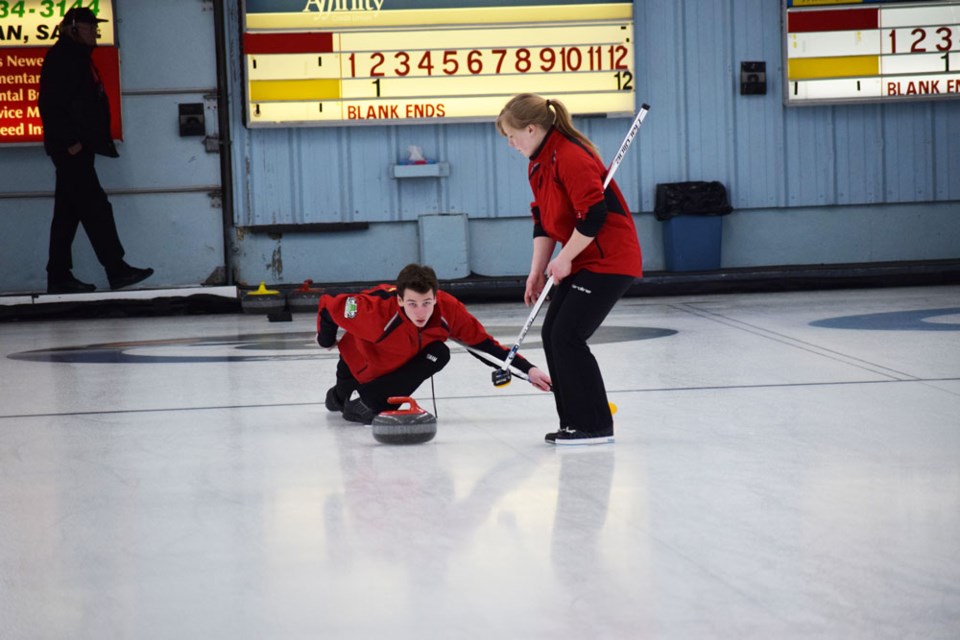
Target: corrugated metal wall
{"type": "Point", "coordinates": [881, 180]}
{"type": "Point", "coordinates": [700, 128]}
{"type": "Point", "coordinates": [770, 155]}
{"type": "Point", "coordinates": [688, 59]}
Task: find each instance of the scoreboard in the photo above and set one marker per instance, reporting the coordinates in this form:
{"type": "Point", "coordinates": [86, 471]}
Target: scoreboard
{"type": "Point", "coordinates": [871, 50]}
{"type": "Point", "coordinates": [342, 62]}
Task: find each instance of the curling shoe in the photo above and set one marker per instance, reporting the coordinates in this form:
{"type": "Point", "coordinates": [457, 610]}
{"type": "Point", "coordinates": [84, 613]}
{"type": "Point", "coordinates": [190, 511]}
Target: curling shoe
{"type": "Point", "coordinates": [68, 284]}
{"type": "Point", "coordinates": [568, 436]}
{"type": "Point", "coordinates": [355, 411]}
{"type": "Point", "coordinates": [125, 275]}
{"type": "Point", "coordinates": [333, 402]}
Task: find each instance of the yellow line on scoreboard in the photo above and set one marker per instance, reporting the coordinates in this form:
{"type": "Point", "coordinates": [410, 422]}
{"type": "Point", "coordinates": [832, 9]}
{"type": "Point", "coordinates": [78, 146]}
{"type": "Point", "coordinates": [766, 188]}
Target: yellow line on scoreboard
{"type": "Point", "coordinates": [322, 89]}
{"type": "Point", "coordinates": [344, 20]}
{"type": "Point", "coordinates": [835, 67]}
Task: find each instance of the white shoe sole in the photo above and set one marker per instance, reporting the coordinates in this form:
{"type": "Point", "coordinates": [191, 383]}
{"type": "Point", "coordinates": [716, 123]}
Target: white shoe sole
{"type": "Point", "coordinates": [560, 442]}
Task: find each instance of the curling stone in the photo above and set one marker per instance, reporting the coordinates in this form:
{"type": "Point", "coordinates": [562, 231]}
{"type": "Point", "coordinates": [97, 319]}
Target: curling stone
{"type": "Point", "coordinates": [269, 301]}
{"type": "Point", "coordinates": [304, 298]}
{"type": "Point", "coordinates": [404, 426]}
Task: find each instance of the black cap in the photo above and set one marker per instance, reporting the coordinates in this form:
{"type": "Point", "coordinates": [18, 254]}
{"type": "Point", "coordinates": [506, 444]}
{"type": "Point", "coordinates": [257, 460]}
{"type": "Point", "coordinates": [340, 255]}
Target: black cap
{"type": "Point", "coordinates": [81, 15]}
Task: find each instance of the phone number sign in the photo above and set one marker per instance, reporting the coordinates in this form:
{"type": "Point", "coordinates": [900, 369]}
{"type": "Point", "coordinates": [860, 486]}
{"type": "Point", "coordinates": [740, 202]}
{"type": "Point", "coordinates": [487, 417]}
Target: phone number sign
{"type": "Point", "coordinates": [27, 29]}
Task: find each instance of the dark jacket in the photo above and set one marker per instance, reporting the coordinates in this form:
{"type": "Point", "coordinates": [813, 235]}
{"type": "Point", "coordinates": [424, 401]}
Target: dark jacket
{"type": "Point", "coordinates": [73, 105]}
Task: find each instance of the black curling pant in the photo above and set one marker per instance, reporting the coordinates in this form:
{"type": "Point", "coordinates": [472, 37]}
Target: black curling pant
{"type": "Point", "coordinates": [578, 306]}
{"type": "Point", "coordinates": [79, 199]}
{"type": "Point", "coordinates": [401, 382]}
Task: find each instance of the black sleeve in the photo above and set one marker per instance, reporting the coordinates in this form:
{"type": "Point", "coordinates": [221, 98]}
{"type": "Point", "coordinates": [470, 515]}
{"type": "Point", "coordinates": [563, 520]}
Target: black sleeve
{"type": "Point", "coordinates": [498, 352]}
{"type": "Point", "coordinates": [327, 335]}
{"type": "Point", "coordinates": [538, 231]}
{"type": "Point", "coordinates": [591, 223]}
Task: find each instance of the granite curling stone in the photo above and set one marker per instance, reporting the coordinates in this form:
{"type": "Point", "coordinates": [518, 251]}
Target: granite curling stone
{"type": "Point", "coordinates": [404, 426]}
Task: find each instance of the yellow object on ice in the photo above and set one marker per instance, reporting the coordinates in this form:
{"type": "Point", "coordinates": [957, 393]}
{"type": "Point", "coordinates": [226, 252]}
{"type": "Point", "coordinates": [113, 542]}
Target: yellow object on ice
{"type": "Point", "coordinates": [263, 291]}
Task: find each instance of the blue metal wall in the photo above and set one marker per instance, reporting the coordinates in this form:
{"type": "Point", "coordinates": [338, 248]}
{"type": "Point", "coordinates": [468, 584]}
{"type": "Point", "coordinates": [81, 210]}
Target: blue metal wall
{"type": "Point", "coordinates": [821, 163]}
{"type": "Point", "coordinates": [826, 184]}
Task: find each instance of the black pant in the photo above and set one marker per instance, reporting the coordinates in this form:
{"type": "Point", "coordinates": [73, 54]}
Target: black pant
{"type": "Point", "coordinates": [402, 382]}
{"type": "Point", "coordinates": [578, 306]}
{"type": "Point", "coordinates": [79, 199]}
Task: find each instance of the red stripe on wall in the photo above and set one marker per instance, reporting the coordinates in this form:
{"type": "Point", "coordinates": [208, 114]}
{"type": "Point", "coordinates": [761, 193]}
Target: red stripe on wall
{"type": "Point", "coordinates": [287, 43]}
{"type": "Point", "coordinates": [833, 20]}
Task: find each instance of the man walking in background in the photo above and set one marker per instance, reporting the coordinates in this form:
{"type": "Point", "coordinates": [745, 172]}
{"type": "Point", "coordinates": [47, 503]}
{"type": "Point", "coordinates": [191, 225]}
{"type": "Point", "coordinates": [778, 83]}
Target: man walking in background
{"type": "Point", "coordinates": [76, 126]}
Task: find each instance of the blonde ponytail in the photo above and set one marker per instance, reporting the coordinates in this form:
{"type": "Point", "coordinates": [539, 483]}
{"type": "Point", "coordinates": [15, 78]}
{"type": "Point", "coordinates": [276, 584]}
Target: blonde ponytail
{"type": "Point", "coordinates": [528, 108]}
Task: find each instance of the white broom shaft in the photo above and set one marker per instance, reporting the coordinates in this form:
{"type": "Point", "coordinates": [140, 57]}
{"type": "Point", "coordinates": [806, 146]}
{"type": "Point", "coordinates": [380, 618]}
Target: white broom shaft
{"type": "Point", "coordinates": [526, 326]}
{"type": "Point", "coordinates": [617, 159]}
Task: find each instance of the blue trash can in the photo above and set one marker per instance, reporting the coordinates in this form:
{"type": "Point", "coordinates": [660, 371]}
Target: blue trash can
{"type": "Point", "coordinates": [692, 229]}
{"type": "Point", "coordinates": [692, 243]}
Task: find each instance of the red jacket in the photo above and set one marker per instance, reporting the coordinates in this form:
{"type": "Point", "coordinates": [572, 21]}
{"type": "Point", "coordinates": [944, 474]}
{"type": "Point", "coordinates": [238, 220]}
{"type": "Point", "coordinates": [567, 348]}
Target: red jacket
{"type": "Point", "coordinates": [380, 338]}
{"type": "Point", "coordinates": [567, 182]}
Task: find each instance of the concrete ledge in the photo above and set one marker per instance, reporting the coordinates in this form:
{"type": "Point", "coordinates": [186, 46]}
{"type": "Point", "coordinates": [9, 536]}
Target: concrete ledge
{"type": "Point", "coordinates": [477, 288]}
{"type": "Point", "coordinates": [137, 302]}
{"type": "Point", "coordinates": [746, 280]}
{"type": "Point", "coordinates": [307, 227]}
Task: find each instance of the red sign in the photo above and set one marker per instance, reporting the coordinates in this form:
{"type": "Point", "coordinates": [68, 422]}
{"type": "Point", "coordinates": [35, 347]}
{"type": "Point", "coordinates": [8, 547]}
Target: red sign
{"type": "Point", "coordinates": [20, 87]}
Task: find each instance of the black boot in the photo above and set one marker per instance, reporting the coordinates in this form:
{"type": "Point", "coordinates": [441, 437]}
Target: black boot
{"type": "Point", "coordinates": [67, 284]}
{"type": "Point", "coordinates": [125, 275]}
{"type": "Point", "coordinates": [356, 411]}
{"type": "Point", "coordinates": [333, 401]}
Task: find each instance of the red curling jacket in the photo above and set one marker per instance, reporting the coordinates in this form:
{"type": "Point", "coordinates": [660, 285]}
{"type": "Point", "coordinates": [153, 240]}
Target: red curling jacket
{"type": "Point", "coordinates": [380, 338]}
{"type": "Point", "coordinates": [567, 182]}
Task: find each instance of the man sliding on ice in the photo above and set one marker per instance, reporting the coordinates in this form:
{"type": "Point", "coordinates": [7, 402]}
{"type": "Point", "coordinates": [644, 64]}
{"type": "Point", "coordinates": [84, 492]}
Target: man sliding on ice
{"type": "Point", "coordinates": [394, 341]}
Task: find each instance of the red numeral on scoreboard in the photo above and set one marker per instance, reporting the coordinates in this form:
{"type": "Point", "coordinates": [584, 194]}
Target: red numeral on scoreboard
{"type": "Point", "coordinates": [919, 35]}
{"type": "Point", "coordinates": [493, 61]}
